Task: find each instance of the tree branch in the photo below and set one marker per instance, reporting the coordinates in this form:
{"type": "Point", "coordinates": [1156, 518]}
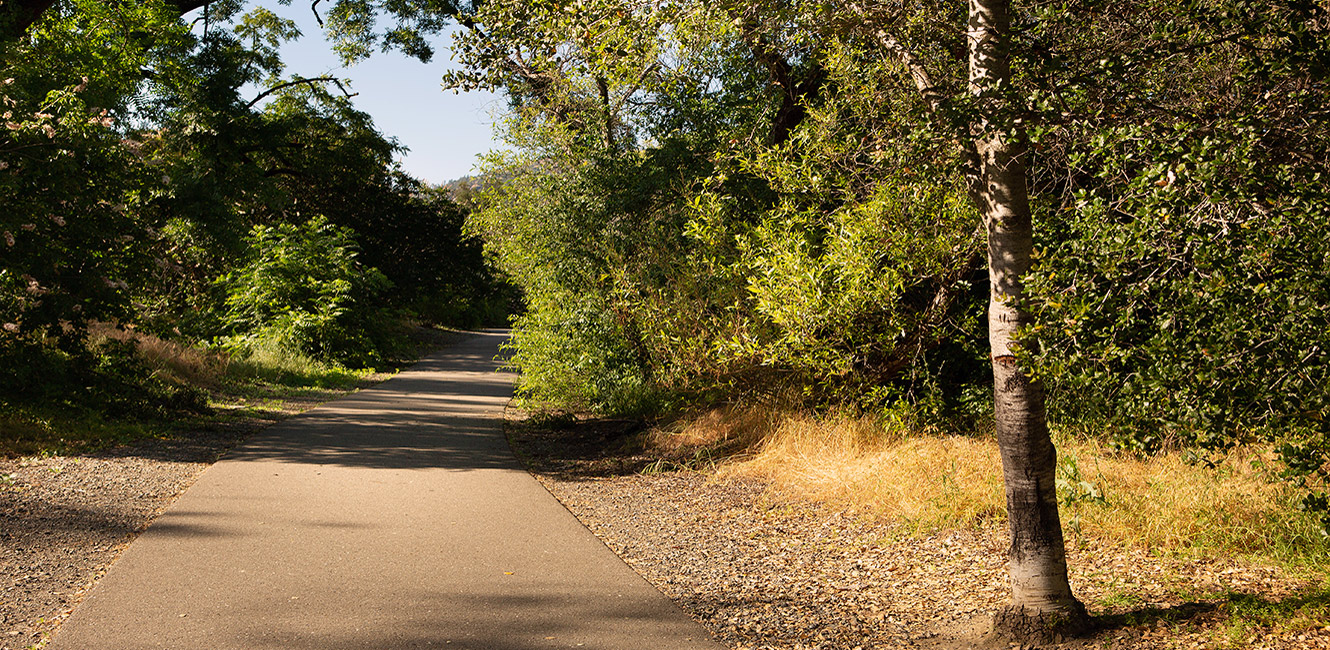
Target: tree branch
{"type": "Point", "coordinates": [931, 93]}
{"type": "Point", "coordinates": [603, 87]}
{"type": "Point", "coordinates": [297, 82]}
{"type": "Point", "coordinates": [314, 7]}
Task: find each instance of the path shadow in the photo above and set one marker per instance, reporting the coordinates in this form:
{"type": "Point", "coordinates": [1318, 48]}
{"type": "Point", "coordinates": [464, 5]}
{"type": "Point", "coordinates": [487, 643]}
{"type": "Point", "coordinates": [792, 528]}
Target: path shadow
{"type": "Point", "coordinates": [481, 618]}
{"type": "Point", "coordinates": [580, 448]}
{"type": "Point", "coordinates": [576, 448]}
{"type": "Point", "coordinates": [443, 412]}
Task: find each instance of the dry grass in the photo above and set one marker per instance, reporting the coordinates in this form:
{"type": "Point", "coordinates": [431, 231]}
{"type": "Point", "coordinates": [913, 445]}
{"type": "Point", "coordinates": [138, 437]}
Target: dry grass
{"type": "Point", "coordinates": [183, 363]}
{"type": "Point", "coordinates": [925, 482]}
{"type": "Point", "coordinates": [930, 483]}
{"type": "Point", "coordinates": [264, 363]}
{"type": "Point", "coordinates": [736, 430]}
{"type": "Point", "coordinates": [1239, 507]}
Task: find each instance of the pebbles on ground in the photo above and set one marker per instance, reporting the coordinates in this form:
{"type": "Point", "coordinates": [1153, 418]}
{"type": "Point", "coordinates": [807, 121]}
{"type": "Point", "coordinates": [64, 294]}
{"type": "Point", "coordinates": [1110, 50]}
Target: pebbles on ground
{"type": "Point", "coordinates": [766, 571]}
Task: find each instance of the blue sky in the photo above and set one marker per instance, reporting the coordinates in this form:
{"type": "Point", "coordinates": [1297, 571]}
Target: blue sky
{"type": "Point", "coordinates": [444, 131]}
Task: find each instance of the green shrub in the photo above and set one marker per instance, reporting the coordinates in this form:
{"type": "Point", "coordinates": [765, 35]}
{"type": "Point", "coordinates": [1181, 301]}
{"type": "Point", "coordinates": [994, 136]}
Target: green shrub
{"type": "Point", "coordinates": [107, 377]}
{"type": "Point", "coordinates": [302, 290]}
{"type": "Point", "coordinates": [577, 358]}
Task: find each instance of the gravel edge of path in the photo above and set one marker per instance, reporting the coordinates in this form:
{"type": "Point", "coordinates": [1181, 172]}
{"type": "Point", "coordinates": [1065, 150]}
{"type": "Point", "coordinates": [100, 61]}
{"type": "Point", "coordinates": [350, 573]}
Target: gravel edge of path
{"type": "Point", "coordinates": [64, 520]}
{"type": "Point", "coordinates": [762, 570]}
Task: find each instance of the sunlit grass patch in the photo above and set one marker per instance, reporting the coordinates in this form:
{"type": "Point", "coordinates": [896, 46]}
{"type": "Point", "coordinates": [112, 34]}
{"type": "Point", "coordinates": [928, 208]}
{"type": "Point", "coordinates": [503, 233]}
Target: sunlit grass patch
{"type": "Point", "coordinates": [924, 482]}
{"type": "Point", "coordinates": [1168, 502]}
{"type": "Point", "coordinates": [707, 437]}
{"type": "Point", "coordinates": [273, 364]}
{"type": "Point", "coordinates": [46, 430]}
{"type": "Point", "coordinates": [180, 362]}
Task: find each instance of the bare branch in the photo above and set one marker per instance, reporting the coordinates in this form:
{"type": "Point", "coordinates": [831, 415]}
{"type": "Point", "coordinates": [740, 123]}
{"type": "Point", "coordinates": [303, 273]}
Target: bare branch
{"type": "Point", "coordinates": [297, 82]}
{"type": "Point", "coordinates": [922, 80]}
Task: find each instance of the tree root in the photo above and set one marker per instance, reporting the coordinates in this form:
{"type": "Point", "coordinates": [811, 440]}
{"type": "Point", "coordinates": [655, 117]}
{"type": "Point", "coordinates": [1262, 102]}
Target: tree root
{"type": "Point", "coordinates": [1017, 624]}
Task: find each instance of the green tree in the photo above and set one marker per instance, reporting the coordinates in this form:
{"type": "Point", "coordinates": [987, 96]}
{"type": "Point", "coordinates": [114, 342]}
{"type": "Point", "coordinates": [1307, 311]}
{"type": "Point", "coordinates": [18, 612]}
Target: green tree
{"type": "Point", "coordinates": [699, 185]}
{"type": "Point", "coordinates": [18, 16]}
{"type": "Point", "coordinates": [75, 231]}
{"type": "Point", "coordinates": [133, 170]}
{"type": "Point", "coordinates": [1182, 252]}
{"type": "Point", "coordinates": [72, 227]}
{"type": "Point", "coordinates": [302, 289]}
{"type": "Point", "coordinates": [710, 197]}
{"type": "Point", "coordinates": [1103, 114]}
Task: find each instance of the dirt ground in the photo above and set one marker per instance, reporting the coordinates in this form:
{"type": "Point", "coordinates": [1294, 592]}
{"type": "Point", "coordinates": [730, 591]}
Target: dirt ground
{"type": "Point", "coordinates": [763, 570]}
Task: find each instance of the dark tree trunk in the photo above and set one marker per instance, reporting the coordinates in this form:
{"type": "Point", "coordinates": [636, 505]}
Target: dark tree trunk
{"type": "Point", "coordinates": [24, 13]}
{"type": "Point", "coordinates": [795, 94]}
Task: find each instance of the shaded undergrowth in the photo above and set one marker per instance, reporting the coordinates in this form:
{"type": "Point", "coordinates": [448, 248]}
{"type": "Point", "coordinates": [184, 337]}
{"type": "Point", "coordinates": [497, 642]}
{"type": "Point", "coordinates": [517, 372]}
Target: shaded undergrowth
{"type": "Point", "coordinates": [135, 386]}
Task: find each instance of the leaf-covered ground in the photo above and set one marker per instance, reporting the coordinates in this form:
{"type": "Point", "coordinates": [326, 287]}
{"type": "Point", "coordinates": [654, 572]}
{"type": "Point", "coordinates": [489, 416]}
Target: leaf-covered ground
{"type": "Point", "coordinates": [764, 570]}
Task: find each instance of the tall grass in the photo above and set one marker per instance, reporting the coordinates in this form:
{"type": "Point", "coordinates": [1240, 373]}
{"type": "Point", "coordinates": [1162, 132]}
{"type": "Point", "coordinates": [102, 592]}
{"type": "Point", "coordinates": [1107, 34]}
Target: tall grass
{"type": "Point", "coordinates": [1171, 501]}
{"type": "Point", "coordinates": [1166, 502]}
{"type": "Point", "coordinates": [268, 362]}
{"type": "Point", "coordinates": [923, 482]}
{"type": "Point", "coordinates": [180, 362]}
{"type": "Point", "coordinates": [263, 361]}
{"type": "Point", "coordinates": [166, 385]}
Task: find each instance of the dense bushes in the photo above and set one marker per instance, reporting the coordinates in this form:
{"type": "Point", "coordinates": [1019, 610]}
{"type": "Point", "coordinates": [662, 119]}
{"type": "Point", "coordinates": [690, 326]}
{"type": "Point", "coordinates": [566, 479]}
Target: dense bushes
{"type": "Point", "coordinates": [107, 377]}
{"type": "Point", "coordinates": [732, 242]}
{"type": "Point", "coordinates": [767, 202]}
{"type": "Point", "coordinates": [302, 289]}
{"type": "Point", "coordinates": [143, 191]}
{"type": "Point", "coordinates": [1191, 308]}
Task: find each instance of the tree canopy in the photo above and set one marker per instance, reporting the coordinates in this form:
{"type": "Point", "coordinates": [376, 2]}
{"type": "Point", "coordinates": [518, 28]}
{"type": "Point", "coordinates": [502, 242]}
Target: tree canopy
{"type": "Point", "coordinates": [727, 201]}
{"type": "Point", "coordinates": [144, 188]}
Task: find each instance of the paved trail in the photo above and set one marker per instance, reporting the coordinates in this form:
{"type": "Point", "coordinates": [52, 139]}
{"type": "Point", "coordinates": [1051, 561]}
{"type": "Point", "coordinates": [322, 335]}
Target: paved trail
{"type": "Point", "coordinates": [394, 518]}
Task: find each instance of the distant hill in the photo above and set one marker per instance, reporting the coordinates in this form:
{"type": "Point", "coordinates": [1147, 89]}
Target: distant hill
{"type": "Point", "coordinates": [460, 190]}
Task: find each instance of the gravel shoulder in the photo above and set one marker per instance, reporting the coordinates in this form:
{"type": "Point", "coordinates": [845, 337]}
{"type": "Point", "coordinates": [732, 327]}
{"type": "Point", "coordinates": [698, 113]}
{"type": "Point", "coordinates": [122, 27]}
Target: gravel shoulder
{"type": "Point", "coordinates": [65, 520]}
{"type": "Point", "coordinates": [764, 570]}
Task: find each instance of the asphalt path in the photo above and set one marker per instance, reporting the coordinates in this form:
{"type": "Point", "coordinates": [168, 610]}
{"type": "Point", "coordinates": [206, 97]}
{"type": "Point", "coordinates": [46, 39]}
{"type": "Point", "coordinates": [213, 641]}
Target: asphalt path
{"type": "Point", "coordinates": [396, 517]}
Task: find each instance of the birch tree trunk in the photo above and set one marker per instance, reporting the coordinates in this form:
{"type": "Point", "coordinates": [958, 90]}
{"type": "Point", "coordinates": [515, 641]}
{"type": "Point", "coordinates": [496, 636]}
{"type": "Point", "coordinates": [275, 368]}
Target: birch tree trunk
{"type": "Point", "coordinates": [1042, 603]}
